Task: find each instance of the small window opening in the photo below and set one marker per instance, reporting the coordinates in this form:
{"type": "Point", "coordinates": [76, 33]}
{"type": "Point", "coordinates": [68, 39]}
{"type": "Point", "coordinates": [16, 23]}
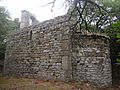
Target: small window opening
{"type": "Point", "coordinates": [30, 35]}
{"type": "Point", "coordinates": [78, 61]}
{"type": "Point", "coordinates": [55, 38]}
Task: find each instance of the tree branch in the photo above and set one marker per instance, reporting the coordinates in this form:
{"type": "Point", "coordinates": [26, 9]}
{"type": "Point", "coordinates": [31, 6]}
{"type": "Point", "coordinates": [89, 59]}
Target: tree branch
{"type": "Point", "coordinates": [53, 3]}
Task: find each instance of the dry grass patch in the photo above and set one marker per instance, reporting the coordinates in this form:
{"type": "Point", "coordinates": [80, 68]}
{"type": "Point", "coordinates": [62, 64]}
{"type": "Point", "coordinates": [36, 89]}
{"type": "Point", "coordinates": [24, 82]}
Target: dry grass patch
{"type": "Point", "coordinates": [16, 83]}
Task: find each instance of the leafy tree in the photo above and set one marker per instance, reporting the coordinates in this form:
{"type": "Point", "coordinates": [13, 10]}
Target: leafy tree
{"type": "Point", "coordinates": [17, 23]}
{"type": "Point", "coordinates": [96, 14]}
{"type": "Point", "coordinates": [118, 59]}
{"type": "Point", "coordinates": [115, 34]}
{"type": "Point", "coordinates": [89, 13]}
{"type": "Point", "coordinates": [6, 24]}
{"type": "Point", "coordinates": [113, 29]}
{"type": "Point", "coordinates": [3, 29]}
{"type": "Point", "coordinates": [112, 6]}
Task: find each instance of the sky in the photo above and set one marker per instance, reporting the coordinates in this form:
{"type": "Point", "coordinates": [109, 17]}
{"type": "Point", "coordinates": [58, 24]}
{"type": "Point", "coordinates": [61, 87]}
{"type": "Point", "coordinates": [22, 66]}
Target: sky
{"type": "Point", "coordinates": [35, 7]}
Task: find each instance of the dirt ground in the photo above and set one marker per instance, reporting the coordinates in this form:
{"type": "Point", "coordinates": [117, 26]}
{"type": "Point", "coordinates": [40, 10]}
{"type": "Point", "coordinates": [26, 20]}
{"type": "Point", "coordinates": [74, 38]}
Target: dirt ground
{"type": "Point", "coordinates": [17, 83]}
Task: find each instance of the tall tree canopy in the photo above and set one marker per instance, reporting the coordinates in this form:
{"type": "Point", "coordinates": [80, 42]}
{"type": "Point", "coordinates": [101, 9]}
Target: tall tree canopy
{"type": "Point", "coordinates": [94, 14]}
{"type": "Point", "coordinates": [113, 7]}
{"type": "Point", "coordinates": [6, 24]}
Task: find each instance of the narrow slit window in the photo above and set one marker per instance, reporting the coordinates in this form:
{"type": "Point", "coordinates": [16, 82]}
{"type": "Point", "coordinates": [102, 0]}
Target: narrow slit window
{"type": "Point", "coordinates": [30, 35]}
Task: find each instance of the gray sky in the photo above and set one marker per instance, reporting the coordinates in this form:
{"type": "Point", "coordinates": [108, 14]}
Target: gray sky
{"type": "Point", "coordinates": [35, 7]}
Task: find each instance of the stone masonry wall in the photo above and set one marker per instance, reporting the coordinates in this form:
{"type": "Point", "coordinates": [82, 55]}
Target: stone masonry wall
{"type": "Point", "coordinates": [39, 51]}
{"type": "Point", "coordinates": [91, 60]}
{"type": "Point", "coordinates": [50, 50]}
